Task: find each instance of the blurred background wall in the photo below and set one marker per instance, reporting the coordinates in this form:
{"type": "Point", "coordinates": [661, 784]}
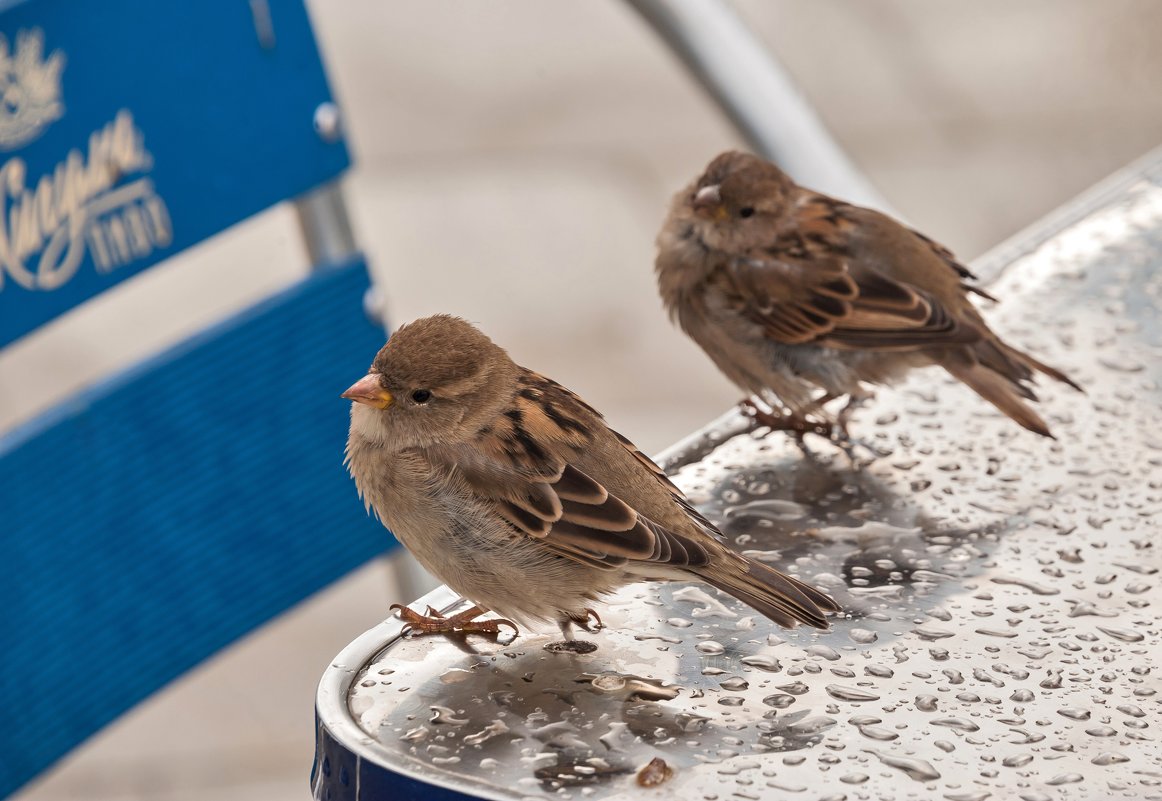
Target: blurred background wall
{"type": "Point", "coordinates": [513, 162]}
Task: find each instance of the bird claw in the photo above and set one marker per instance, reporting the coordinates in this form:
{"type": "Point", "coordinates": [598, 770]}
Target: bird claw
{"type": "Point", "coordinates": [464, 622]}
{"type": "Point", "coordinates": [795, 424]}
{"type": "Point", "coordinates": [583, 621]}
{"type": "Point", "coordinates": [799, 425]}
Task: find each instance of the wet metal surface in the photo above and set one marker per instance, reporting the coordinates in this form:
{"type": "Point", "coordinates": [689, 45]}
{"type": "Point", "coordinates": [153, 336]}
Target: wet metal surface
{"type": "Point", "coordinates": [1001, 593]}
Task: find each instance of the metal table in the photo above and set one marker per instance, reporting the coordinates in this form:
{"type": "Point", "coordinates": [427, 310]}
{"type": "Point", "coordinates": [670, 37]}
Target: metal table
{"type": "Point", "coordinates": [1001, 636]}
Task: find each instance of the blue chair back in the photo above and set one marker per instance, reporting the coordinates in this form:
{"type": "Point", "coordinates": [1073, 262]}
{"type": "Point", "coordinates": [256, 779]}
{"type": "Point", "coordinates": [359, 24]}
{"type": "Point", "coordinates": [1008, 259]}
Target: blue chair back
{"type": "Point", "coordinates": [153, 519]}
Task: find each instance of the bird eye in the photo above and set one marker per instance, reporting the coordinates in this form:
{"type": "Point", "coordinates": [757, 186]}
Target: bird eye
{"type": "Point", "coordinates": [746, 211]}
{"type": "Point", "coordinates": [421, 396]}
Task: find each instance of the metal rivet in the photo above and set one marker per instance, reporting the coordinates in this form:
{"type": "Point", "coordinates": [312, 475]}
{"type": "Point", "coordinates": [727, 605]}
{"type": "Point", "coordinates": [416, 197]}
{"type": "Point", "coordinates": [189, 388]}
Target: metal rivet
{"type": "Point", "coordinates": [375, 306]}
{"type": "Point", "coordinates": [328, 122]}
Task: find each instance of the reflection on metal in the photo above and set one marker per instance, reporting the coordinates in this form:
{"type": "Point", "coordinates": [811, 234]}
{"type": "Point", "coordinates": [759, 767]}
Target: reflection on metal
{"type": "Point", "coordinates": [1001, 635]}
{"type": "Point", "coordinates": [326, 227]}
{"type": "Point", "coordinates": [263, 24]}
{"type": "Point", "coordinates": [328, 122]}
{"type": "Point", "coordinates": [757, 95]}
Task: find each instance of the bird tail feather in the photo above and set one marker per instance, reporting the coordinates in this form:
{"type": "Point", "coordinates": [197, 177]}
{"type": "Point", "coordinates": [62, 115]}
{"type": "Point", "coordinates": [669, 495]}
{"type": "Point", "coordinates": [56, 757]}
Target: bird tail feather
{"type": "Point", "coordinates": [1039, 366]}
{"type": "Point", "coordinates": [785, 600]}
{"type": "Point", "coordinates": [999, 373]}
{"type": "Point", "coordinates": [1003, 392]}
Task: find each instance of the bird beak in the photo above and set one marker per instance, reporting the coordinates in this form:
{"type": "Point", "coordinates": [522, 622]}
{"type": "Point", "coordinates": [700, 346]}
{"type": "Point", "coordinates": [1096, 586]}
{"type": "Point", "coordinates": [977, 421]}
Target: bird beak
{"type": "Point", "coordinates": [708, 202]}
{"type": "Point", "coordinates": [368, 391]}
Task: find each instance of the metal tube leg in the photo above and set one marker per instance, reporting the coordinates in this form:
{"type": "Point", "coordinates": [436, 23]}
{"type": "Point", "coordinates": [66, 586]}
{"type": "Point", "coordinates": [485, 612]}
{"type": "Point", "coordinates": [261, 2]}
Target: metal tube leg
{"type": "Point", "coordinates": [411, 580]}
{"type": "Point", "coordinates": [756, 94]}
{"type": "Point", "coordinates": [325, 225]}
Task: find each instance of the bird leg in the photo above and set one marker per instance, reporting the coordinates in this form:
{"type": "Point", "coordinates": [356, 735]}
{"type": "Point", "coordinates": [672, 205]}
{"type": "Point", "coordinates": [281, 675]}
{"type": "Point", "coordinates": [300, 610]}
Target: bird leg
{"type": "Point", "coordinates": [570, 644]}
{"type": "Point", "coordinates": [583, 620]}
{"type": "Point", "coordinates": [854, 401]}
{"type": "Point", "coordinates": [843, 438]}
{"type": "Point", "coordinates": [461, 623]}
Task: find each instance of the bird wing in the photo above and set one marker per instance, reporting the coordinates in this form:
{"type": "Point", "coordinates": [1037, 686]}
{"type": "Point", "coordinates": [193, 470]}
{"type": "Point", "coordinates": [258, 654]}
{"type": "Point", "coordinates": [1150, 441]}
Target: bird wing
{"type": "Point", "coordinates": [525, 465]}
{"type": "Point", "coordinates": [825, 302]}
{"type": "Point", "coordinates": [815, 284]}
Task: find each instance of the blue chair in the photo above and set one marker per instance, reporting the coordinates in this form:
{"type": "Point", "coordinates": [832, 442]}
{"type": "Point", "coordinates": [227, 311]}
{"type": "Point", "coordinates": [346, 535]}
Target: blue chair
{"type": "Point", "coordinates": [153, 519]}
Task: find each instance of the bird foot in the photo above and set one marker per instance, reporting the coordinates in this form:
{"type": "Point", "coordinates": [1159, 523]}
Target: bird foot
{"type": "Point", "coordinates": [584, 621]}
{"type": "Point", "coordinates": [461, 623]}
{"type": "Point", "coordinates": [784, 421]}
{"type": "Point", "coordinates": [588, 620]}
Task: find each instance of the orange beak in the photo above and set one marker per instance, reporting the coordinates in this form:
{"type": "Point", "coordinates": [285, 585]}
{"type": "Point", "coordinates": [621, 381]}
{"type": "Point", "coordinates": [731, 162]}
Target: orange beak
{"type": "Point", "coordinates": [369, 392]}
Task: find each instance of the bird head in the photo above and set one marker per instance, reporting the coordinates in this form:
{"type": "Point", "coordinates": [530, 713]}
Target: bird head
{"type": "Point", "coordinates": [437, 380]}
{"type": "Point", "coordinates": [735, 203]}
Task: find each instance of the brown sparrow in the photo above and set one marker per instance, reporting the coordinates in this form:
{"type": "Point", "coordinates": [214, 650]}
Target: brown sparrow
{"type": "Point", "coordinates": [515, 493]}
{"type": "Point", "coordinates": [790, 291]}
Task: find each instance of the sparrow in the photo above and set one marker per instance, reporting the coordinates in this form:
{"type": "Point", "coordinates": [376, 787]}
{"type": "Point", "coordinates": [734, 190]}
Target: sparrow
{"type": "Point", "coordinates": [791, 292]}
{"type": "Point", "coordinates": [516, 494]}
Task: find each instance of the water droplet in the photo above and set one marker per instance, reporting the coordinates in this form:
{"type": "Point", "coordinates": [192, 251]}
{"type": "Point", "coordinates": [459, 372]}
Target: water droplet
{"type": "Point", "coordinates": [863, 636]}
{"type": "Point", "coordinates": [1007, 634]}
{"type": "Point", "coordinates": [1101, 731]}
{"type": "Point", "coordinates": [1109, 758]}
{"type": "Point", "coordinates": [766, 663]}
{"type": "Point", "coordinates": [824, 651]}
{"type": "Point", "coordinates": [812, 725]}
{"type": "Point", "coordinates": [953, 676]}
{"type": "Point", "coordinates": [1121, 365]}
{"type": "Point", "coordinates": [491, 730]}
{"type": "Point", "coordinates": [980, 674]}
{"type": "Point", "coordinates": [416, 735]}
{"type": "Point", "coordinates": [1036, 589]}
{"type": "Point", "coordinates": [916, 769]}
{"type": "Point", "coordinates": [931, 634]}
{"type": "Point", "coordinates": [842, 693]}
{"type": "Point", "coordinates": [1125, 635]}
{"type": "Point", "coordinates": [712, 607]}
{"type": "Point", "coordinates": [960, 724]}
{"type": "Point", "coordinates": [926, 703]}
{"type": "Point", "coordinates": [779, 700]}
{"type": "Point", "coordinates": [442, 714]}
{"type": "Point", "coordinates": [878, 733]}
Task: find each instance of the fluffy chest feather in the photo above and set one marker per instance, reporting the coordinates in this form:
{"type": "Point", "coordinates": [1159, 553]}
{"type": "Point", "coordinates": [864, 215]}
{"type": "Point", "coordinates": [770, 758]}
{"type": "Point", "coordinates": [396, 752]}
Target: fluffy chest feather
{"type": "Point", "coordinates": [460, 540]}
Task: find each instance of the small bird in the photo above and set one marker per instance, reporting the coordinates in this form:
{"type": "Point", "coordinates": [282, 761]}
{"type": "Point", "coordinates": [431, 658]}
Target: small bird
{"type": "Point", "coordinates": [790, 292]}
{"type": "Point", "coordinates": [515, 493]}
